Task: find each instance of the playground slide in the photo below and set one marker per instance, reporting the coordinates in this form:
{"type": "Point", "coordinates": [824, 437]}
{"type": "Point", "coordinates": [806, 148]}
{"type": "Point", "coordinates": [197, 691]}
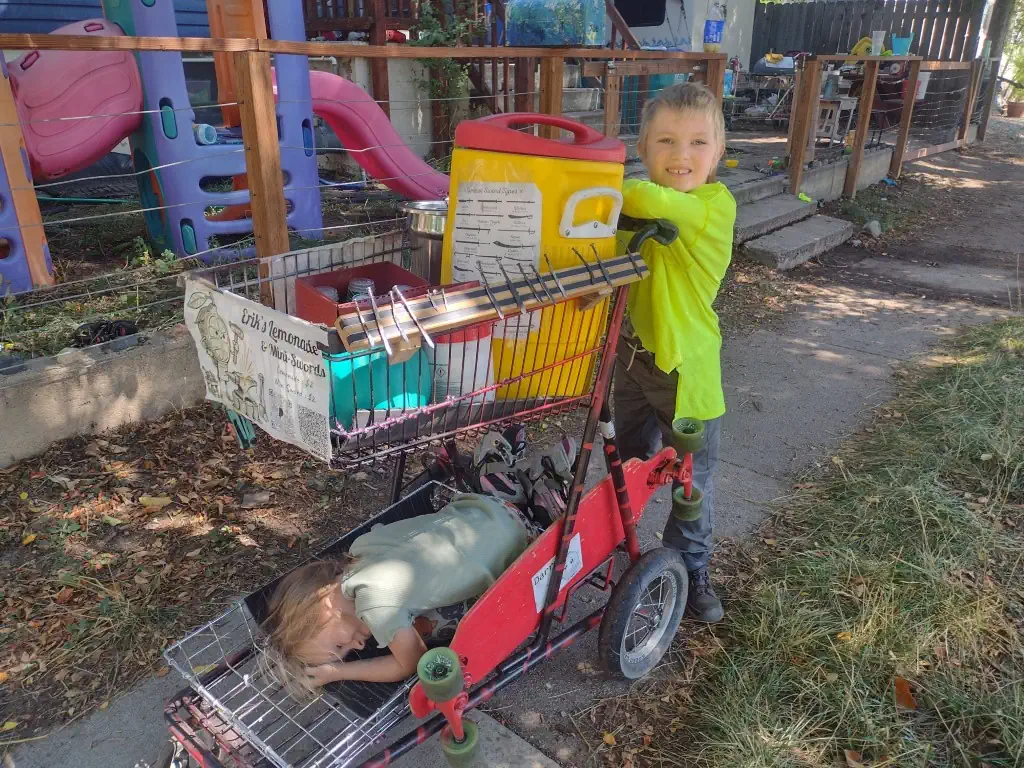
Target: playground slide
{"type": "Point", "coordinates": [368, 135]}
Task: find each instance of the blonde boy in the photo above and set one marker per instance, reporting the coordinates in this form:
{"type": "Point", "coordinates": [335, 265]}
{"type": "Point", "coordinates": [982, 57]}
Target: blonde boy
{"type": "Point", "coordinates": [668, 359]}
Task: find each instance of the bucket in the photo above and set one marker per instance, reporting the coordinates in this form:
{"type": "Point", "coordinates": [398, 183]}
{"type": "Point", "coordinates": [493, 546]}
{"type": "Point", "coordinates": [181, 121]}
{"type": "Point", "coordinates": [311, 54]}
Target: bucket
{"type": "Point", "coordinates": [462, 362]}
{"type": "Point", "coordinates": [901, 45]}
{"type": "Point", "coordinates": [922, 85]}
{"type": "Point", "coordinates": [426, 224]}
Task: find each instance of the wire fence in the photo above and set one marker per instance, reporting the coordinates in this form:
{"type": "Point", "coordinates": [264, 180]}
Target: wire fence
{"type": "Point", "coordinates": [120, 233]}
{"type": "Point", "coordinates": [938, 117]}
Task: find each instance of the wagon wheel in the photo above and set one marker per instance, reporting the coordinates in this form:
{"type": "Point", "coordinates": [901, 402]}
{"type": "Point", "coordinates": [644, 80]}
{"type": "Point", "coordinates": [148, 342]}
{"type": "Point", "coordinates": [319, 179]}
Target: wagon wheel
{"type": "Point", "coordinates": [643, 614]}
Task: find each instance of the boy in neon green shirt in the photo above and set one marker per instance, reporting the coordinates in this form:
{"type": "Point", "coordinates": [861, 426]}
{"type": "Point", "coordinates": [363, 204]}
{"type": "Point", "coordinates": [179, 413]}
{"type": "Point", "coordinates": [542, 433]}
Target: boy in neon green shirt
{"type": "Point", "coordinates": [668, 360]}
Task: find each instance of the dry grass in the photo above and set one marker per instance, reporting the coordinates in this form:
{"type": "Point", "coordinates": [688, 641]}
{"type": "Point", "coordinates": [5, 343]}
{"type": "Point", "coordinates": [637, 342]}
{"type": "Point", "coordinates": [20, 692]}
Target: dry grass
{"type": "Point", "coordinates": [879, 621]}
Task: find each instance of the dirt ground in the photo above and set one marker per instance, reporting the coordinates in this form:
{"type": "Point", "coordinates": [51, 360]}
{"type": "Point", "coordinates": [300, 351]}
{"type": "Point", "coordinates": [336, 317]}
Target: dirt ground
{"type": "Point", "coordinates": [949, 215]}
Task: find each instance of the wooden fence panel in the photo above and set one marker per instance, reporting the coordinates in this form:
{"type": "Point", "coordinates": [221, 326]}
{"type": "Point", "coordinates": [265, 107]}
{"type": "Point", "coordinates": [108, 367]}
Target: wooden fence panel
{"type": "Point", "coordinates": [942, 29]}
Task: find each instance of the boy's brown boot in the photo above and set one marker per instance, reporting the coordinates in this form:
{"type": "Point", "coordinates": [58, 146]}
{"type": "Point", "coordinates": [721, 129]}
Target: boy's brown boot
{"type": "Point", "coordinates": [702, 604]}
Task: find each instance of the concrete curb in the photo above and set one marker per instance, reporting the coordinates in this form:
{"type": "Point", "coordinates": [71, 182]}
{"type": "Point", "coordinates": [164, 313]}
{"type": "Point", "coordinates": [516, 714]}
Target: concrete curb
{"type": "Point", "coordinates": [85, 391]}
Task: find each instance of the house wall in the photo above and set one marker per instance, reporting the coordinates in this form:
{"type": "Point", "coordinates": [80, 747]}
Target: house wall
{"type": "Point", "coordinates": [684, 27]}
{"type": "Point", "coordinates": [46, 15]}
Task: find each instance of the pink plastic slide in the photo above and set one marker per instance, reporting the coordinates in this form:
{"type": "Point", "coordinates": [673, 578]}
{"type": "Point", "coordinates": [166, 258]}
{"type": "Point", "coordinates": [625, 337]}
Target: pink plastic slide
{"type": "Point", "coordinates": [52, 88]}
{"type": "Point", "coordinates": [366, 132]}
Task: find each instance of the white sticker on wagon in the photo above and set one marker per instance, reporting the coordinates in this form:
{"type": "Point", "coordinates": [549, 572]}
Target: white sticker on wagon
{"type": "Point", "coordinates": [573, 565]}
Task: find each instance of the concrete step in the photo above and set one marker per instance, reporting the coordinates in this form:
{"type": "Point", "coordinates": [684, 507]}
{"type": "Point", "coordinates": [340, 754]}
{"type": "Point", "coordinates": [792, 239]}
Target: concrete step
{"type": "Point", "coordinates": [769, 214]}
{"type": "Point", "coordinates": [793, 245]}
{"type": "Point", "coordinates": [751, 186]}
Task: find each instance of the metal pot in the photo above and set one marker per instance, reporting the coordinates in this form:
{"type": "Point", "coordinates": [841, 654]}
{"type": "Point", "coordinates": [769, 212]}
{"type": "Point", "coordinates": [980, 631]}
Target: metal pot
{"type": "Point", "coordinates": [426, 224]}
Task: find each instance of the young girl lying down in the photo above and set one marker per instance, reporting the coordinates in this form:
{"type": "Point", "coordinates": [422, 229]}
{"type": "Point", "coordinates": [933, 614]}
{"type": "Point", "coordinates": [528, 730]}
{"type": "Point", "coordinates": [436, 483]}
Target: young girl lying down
{"type": "Point", "coordinates": [406, 584]}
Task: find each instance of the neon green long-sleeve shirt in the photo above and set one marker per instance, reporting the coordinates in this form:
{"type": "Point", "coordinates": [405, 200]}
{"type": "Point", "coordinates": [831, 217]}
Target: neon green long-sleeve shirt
{"type": "Point", "coordinates": [671, 310]}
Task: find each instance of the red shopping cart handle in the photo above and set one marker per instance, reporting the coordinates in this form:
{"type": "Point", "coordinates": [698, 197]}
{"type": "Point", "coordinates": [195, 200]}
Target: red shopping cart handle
{"type": "Point", "coordinates": [498, 133]}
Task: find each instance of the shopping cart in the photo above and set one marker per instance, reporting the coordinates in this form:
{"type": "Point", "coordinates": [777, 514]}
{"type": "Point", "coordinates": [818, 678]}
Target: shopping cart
{"type": "Point", "coordinates": [233, 713]}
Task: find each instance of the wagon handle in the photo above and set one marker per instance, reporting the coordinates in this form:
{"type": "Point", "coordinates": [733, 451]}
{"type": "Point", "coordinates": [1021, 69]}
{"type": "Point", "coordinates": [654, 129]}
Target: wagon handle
{"type": "Point", "coordinates": [662, 231]}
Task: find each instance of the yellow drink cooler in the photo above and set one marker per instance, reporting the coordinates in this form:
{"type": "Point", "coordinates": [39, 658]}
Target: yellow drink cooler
{"type": "Point", "coordinates": [520, 202]}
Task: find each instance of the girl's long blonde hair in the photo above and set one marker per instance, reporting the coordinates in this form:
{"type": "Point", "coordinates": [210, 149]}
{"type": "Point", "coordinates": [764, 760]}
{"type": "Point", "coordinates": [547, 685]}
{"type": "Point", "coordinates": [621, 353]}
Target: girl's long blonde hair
{"type": "Point", "coordinates": [295, 616]}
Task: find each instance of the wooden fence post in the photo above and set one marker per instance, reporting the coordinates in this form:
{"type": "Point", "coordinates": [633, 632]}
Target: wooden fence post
{"type": "Point", "coordinates": [867, 98]}
{"type": "Point", "coordinates": [991, 99]}
{"type": "Point", "coordinates": [896, 166]}
{"type": "Point", "coordinates": [23, 196]}
{"type": "Point", "coordinates": [551, 74]}
{"type": "Point", "coordinates": [972, 96]}
{"type": "Point", "coordinates": [262, 160]}
{"type": "Point", "coordinates": [525, 69]}
{"type": "Point", "coordinates": [612, 102]}
{"type": "Point", "coordinates": [716, 78]}
{"type": "Point", "coordinates": [805, 115]}
{"type": "Point", "coordinates": [379, 66]}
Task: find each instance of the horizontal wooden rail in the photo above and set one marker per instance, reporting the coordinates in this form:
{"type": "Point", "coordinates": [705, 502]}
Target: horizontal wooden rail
{"type": "Point", "coordinates": [633, 68]}
{"type": "Point", "coordinates": [935, 66]}
{"type": "Point", "coordinates": [28, 42]}
{"type": "Point", "coordinates": [854, 57]}
{"type": "Point", "coordinates": [917, 154]}
{"type": "Point", "coordinates": [24, 42]}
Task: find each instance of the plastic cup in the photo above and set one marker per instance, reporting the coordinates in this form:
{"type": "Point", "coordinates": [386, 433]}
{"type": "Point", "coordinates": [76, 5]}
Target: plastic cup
{"type": "Point", "coordinates": [877, 42]}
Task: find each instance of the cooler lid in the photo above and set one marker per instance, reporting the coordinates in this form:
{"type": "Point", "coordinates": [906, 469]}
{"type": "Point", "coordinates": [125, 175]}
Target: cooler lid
{"type": "Point", "coordinates": [497, 133]}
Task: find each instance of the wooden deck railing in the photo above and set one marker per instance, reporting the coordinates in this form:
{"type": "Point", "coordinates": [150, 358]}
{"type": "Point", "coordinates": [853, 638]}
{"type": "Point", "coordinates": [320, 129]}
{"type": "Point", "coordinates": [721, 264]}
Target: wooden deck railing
{"type": "Point", "coordinates": [958, 116]}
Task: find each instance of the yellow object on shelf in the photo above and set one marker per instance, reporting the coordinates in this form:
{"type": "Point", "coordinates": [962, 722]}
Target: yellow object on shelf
{"type": "Point", "coordinates": [520, 203]}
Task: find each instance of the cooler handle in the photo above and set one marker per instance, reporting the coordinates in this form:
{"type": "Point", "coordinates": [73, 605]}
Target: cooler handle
{"type": "Point", "coordinates": [590, 229]}
{"type": "Point", "coordinates": [581, 134]}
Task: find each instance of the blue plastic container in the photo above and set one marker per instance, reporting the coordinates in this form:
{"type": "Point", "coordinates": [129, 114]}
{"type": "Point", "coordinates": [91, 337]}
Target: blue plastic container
{"type": "Point", "coordinates": [573, 23]}
{"type": "Point", "coordinates": [901, 45]}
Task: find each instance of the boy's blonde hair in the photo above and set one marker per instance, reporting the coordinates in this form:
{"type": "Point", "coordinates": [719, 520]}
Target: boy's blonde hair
{"type": "Point", "coordinates": [684, 97]}
{"type": "Point", "coordinates": [295, 616]}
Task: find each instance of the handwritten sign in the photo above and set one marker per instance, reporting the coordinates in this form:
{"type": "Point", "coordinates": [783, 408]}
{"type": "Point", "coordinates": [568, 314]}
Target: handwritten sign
{"type": "Point", "coordinates": [262, 363]}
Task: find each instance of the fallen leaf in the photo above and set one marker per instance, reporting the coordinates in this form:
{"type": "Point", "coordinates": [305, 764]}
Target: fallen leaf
{"type": "Point", "coordinates": [154, 502]}
{"type": "Point", "coordinates": [28, 539]}
{"type": "Point", "coordinates": [64, 595]}
{"type": "Point", "coordinates": [770, 542]}
{"type": "Point", "coordinates": [194, 552]}
{"type": "Point", "coordinates": [845, 636]}
{"type": "Point", "coordinates": [10, 725]}
{"type": "Point", "coordinates": [609, 739]}
{"type": "Point", "coordinates": [904, 698]}
{"type": "Point", "coordinates": [831, 677]}
{"type": "Point", "coordinates": [23, 495]}
{"type": "Point", "coordinates": [853, 759]}
{"type": "Point", "coordinates": [3, 678]}
{"type": "Point", "coordinates": [109, 520]}
{"type": "Point", "coordinates": [104, 705]}
{"type": "Point", "coordinates": [162, 672]}
{"type": "Point", "coordinates": [986, 457]}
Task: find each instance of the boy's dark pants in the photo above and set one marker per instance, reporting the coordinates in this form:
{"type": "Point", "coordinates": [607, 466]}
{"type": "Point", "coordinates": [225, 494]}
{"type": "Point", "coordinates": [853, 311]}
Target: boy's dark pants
{"type": "Point", "coordinates": [644, 404]}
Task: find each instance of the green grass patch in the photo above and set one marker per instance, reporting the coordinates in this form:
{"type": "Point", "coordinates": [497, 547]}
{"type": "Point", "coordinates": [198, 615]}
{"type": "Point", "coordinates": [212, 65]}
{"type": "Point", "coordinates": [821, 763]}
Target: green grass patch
{"type": "Point", "coordinates": [902, 563]}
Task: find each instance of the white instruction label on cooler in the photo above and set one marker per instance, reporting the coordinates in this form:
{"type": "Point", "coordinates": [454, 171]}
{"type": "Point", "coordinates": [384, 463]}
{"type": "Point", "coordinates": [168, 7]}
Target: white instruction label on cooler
{"type": "Point", "coordinates": [519, 327]}
{"type": "Point", "coordinates": [573, 565]}
{"type": "Point", "coordinates": [495, 223]}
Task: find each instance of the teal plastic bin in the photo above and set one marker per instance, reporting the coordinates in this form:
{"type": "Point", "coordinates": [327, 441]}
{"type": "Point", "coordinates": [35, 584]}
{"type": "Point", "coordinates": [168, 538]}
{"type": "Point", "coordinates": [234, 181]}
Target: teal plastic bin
{"type": "Point", "coordinates": [366, 382]}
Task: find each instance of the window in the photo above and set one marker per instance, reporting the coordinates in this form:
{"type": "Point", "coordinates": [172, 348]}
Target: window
{"type": "Point", "coordinates": [642, 13]}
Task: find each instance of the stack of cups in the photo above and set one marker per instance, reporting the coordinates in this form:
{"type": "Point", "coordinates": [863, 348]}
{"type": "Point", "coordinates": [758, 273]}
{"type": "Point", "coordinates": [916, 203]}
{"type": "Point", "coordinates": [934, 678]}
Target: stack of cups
{"type": "Point", "coordinates": [360, 288]}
